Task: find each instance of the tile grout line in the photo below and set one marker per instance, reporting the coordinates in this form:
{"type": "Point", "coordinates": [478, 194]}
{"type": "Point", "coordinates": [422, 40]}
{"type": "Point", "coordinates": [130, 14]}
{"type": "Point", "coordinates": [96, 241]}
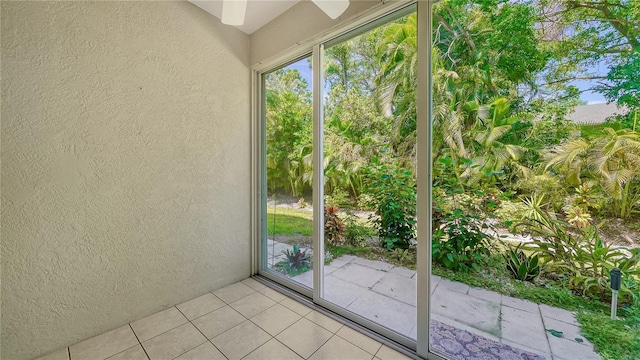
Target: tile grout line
{"type": "Point", "coordinates": [285, 345]}
{"type": "Point", "coordinates": [350, 324]}
{"type": "Point", "coordinates": [359, 347]}
{"type": "Point", "coordinates": [139, 343]}
{"type": "Point", "coordinates": [206, 338]}
{"type": "Point", "coordinates": [323, 344]}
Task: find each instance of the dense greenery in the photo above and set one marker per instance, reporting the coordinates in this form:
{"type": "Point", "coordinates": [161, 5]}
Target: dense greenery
{"type": "Point", "coordinates": [503, 84]}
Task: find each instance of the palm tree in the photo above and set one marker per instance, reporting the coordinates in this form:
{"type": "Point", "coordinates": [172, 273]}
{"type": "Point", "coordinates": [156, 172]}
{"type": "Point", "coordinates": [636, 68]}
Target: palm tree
{"type": "Point", "coordinates": [494, 121]}
{"type": "Point", "coordinates": [613, 159]}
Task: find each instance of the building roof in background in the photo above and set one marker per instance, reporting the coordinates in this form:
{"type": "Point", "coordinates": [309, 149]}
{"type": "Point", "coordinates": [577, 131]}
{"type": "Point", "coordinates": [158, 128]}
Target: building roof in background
{"type": "Point", "coordinates": [594, 113]}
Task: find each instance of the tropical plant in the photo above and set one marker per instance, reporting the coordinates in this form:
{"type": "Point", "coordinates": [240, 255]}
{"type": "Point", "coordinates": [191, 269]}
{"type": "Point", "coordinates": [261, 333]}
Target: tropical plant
{"type": "Point", "coordinates": [461, 243]}
{"type": "Point", "coordinates": [297, 261]}
{"type": "Point", "coordinates": [333, 226]}
{"type": "Point", "coordinates": [580, 255]}
{"type": "Point", "coordinates": [612, 159]}
{"type": "Point", "coordinates": [494, 122]}
{"type": "Point", "coordinates": [522, 266]}
{"type": "Point", "coordinates": [535, 206]}
{"type": "Point", "coordinates": [393, 196]}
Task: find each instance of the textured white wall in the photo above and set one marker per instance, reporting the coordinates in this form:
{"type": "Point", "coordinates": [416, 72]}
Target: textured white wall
{"type": "Point", "coordinates": [125, 165]}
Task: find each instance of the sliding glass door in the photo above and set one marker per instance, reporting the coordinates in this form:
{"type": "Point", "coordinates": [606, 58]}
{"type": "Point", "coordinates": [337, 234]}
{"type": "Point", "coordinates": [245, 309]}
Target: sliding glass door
{"type": "Point", "coordinates": [369, 203]}
{"type": "Point", "coordinates": [287, 243]}
{"type": "Point", "coordinates": [340, 171]}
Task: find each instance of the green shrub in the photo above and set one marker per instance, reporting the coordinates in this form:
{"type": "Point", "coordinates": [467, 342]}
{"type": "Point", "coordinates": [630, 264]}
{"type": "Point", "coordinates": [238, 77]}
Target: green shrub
{"type": "Point", "coordinates": [338, 197]}
{"type": "Point", "coordinates": [511, 211]}
{"type": "Point", "coordinates": [580, 255]}
{"type": "Point", "coordinates": [393, 198]}
{"type": "Point", "coordinates": [461, 244]}
{"type": "Point", "coordinates": [356, 235]}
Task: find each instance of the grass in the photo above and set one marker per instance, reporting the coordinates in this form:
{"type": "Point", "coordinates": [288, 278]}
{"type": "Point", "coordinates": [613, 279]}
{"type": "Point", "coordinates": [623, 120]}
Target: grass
{"type": "Point", "coordinates": [286, 221]}
{"type": "Point", "coordinates": [614, 339]}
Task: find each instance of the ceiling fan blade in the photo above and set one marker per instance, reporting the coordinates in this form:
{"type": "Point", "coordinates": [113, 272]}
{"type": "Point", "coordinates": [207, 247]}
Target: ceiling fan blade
{"type": "Point", "coordinates": [333, 8]}
{"type": "Point", "coordinates": [233, 12]}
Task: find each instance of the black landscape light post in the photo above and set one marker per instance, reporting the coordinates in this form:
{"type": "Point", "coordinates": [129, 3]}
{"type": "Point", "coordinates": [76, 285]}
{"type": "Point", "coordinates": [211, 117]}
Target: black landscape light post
{"type": "Point", "coordinates": [615, 286]}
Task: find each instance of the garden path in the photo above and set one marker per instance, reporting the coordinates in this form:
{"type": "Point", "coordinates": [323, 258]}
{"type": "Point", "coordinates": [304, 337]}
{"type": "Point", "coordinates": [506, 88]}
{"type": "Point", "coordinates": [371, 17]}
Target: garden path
{"type": "Point", "coordinates": [387, 295]}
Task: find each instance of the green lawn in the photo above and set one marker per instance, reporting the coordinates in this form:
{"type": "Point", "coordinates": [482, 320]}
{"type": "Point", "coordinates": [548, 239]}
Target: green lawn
{"type": "Point", "coordinates": [286, 221]}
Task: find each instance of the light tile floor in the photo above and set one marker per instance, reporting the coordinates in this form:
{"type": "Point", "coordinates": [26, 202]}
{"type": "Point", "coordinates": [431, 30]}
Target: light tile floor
{"type": "Point", "coordinates": [245, 320]}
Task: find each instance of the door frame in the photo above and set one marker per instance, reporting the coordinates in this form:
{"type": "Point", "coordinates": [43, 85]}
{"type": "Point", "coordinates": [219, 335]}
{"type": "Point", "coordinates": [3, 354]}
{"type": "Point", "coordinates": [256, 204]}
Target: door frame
{"type": "Point", "coordinates": [314, 46]}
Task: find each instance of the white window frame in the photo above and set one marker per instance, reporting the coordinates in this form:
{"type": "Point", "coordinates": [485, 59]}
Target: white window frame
{"type": "Point", "coordinates": [314, 47]}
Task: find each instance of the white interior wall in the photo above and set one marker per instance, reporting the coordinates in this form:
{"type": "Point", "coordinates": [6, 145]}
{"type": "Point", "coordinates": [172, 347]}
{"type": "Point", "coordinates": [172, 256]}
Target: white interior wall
{"type": "Point", "coordinates": [125, 165]}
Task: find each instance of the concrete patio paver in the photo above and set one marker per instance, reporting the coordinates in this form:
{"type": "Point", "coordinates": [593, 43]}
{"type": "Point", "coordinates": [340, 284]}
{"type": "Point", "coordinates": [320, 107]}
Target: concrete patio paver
{"type": "Point", "coordinates": [397, 287]}
{"type": "Point", "coordinates": [362, 275]}
{"type": "Point", "coordinates": [387, 295]}
{"type": "Point", "coordinates": [386, 311]}
{"type": "Point", "coordinates": [558, 314]}
{"type": "Point", "coordinates": [480, 314]}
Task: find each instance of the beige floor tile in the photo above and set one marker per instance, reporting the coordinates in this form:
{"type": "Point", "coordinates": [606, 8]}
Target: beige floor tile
{"type": "Point", "coordinates": [252, 305]}
{"type": "Point", "coordinates": [205, 351]}
{"type": "Point", "coordinates": [174, 342]}
{"type": "Point", "coordinates": [134, 353]}
{"type": "Point", "coordinates": [272, 350]}
{"type": "Point", "coordinates": [304, 337]}
{"type": "Point", "coordinates": [272, 294]}
{"type": "Point", "coordinates": [360, 340]}
{"type": "Point", "coordinates": [62, 354]}
{"type": "Point", "coordinates": [387, 353]}
{"type": "Point", "coordinates": [339, 348]}
{"type": "Point", "coordinates": [324, 321]}
{"type": "Point", "coordinates": [257, 286]}
{"type": "Point", "coordinates": [158, 323]}
{"type": "Point", "coordinates": [104, 345]}
{"type": "Point", "coordinates": [218, 321]}
{"type": "Point", "coordinates": [296, 306]}
{"type": "Point", "coordinates": [240, 340]}
{"type": "Point", "coordinates": [233, 292]}
{"type": "Point", "coordinates": [201, 305]}
{"type": "Point", "coordinates": [275, 319]}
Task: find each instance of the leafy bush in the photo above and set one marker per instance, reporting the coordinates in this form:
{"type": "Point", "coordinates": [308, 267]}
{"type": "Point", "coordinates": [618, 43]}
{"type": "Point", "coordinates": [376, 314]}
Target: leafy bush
{"type": "Point", "coordinates": [404, 255]}
{"type": "Point", "coordinates": [521, 266]}
{"type": "Point", "coordinates": [580, 256]}
{"type": "Point", "coordinates": [548, 185]}
{"type": "Point", "coordinates": [511, 211]}
{"type": "Point", "coordinates": [354, 234]}
{"type": "Point", "coordinates": [338, 197]}
{"type": "Point", "coordinates": [333, 226]}
{"type": "Point", "coordinates": [460, 244]}
{"type": "Point", "coordinates": [393, 197]}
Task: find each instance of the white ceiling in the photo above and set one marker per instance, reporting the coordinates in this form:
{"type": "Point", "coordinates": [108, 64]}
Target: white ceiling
{"type": "Point", "coordinates": [259, 12]}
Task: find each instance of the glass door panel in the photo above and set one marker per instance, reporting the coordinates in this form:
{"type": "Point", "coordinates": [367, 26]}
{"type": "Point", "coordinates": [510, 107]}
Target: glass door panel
{"type": "Point", "coordinates": [287, 246]}
{"type": "Point", "coordinates": [369, 132]}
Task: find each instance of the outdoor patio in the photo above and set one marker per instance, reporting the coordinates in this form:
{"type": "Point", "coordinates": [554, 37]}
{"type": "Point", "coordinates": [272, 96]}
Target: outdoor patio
{"type": "Point", "coordinates": [387, 294]}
